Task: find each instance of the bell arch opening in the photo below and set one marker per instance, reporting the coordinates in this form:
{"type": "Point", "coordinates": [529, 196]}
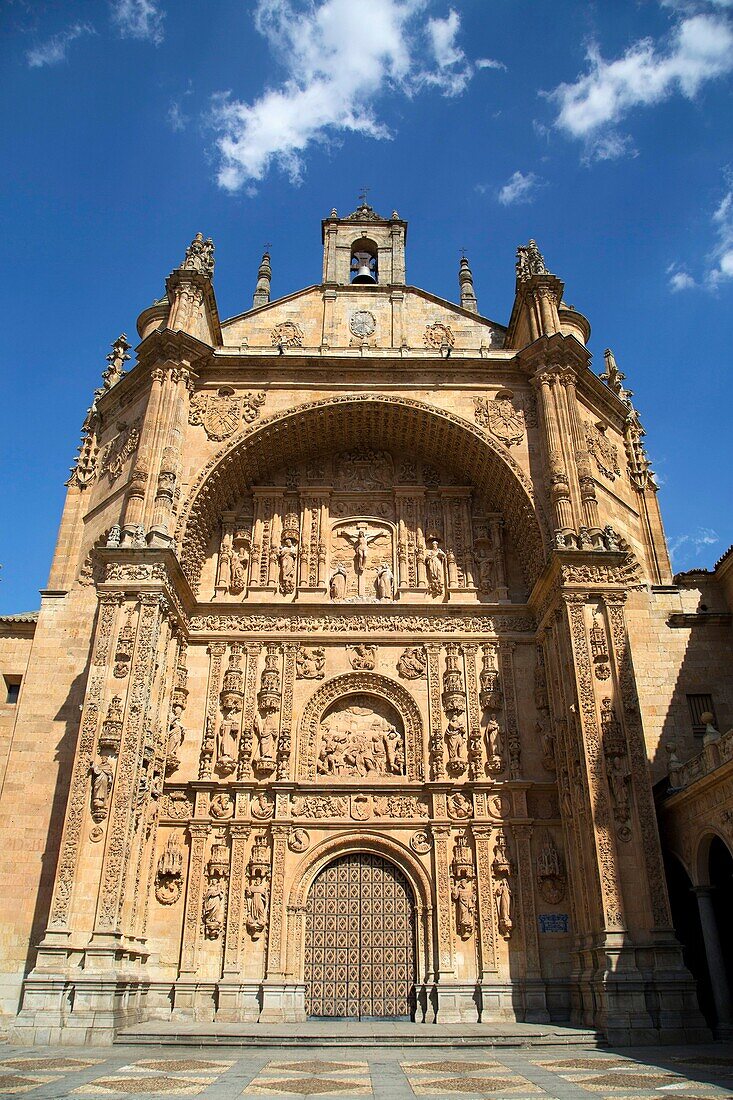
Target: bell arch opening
{"type": "Point", "coordinates": [379, 423]}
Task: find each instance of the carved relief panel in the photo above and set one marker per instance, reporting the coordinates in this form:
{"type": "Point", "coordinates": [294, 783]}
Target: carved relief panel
{"type": "Point", "coordinates": [361, 736]}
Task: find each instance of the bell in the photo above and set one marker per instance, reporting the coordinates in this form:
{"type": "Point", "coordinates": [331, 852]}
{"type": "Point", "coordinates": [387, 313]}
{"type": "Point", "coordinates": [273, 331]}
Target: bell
{"type": "Point", "coordinates": [362, 263]}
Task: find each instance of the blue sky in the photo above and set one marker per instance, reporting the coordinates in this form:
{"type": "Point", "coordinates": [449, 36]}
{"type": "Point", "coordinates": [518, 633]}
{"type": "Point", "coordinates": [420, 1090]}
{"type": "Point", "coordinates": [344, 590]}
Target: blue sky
{"type": "Point", "coordinates": [602, 129]}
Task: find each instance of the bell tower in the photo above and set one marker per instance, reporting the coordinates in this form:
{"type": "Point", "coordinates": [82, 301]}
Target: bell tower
{"type": "Point", "coordinates": [364, 248]}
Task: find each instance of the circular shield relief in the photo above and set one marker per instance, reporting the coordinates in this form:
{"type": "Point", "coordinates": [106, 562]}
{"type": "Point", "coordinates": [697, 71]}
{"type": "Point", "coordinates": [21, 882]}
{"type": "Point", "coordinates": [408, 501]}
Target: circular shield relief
{"type": "Point", "coordinates": [362, 323]}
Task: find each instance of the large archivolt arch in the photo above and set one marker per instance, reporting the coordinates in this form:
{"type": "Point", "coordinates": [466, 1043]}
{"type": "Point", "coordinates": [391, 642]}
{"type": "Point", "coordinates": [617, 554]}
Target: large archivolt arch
{"type": "Point", "coordinates": [350, 420]}
{"type": "Point", "coordinates": [360, 683]}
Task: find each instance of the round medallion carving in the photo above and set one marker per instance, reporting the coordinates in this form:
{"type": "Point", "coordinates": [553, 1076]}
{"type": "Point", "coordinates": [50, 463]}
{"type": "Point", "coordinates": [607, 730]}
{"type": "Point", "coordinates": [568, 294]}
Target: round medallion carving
{"type": "Point", "coordinates": [362, 323]}
{"type": "Point", "coordinates": [439, 336]}
{"type": "Point", "coordinates": [421, 842]}
{"type": "Point", "coordinates": [299, 840]}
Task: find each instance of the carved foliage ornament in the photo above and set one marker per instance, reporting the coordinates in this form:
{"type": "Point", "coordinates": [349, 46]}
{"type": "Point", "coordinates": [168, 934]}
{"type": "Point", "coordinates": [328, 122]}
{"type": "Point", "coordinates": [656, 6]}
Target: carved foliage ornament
{"type": "Point", "coordinates": [221, 413]}
{"type": "Point", "coordinates": [501, 418]}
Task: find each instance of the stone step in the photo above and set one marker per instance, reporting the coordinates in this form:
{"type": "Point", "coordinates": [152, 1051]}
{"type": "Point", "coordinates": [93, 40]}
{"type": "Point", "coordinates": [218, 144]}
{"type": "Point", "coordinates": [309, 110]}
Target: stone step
{"type": "Point", "coordinates": [337, 1033]}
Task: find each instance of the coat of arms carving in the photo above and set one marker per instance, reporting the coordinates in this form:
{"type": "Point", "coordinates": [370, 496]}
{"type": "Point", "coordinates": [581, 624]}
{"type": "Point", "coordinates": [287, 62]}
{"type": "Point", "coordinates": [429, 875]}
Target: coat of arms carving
{"type": "Point", "coordinates": [220, 413]}
{"type": "Point", "coordinates": [604, 452]}
{"type": "Point", "coordinates": [439, 336]}
{"type": "Point", "coordinates": [120, 449]}
{"type": "Point", "coordinates": [501, 418]}
{"type": "Point", "coordinates": [287, 334]}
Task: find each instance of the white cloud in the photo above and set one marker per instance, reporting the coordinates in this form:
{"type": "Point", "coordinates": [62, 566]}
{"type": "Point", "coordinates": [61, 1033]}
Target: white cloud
{"type": "Point", "coordinates": [139, 19]}
{"type": "Point", "coordinates": [489, 63]}
{"type": "Point", "coordinates": [520, 187]}
{"type": "Point", "coordinates": [680, 279]}
{"type": "Point", "coordinates": [683, 548]}
{"type": "Point", "coordinates": [176, 118]}
{"type": "Point", "coordinates": [700, 49]}
{"type": "Point", "coordinates": [338, 61]}
{"type": "Point", "coordinates": [719, 268]}
{"type": "Point", "coordinates": [53, 50]}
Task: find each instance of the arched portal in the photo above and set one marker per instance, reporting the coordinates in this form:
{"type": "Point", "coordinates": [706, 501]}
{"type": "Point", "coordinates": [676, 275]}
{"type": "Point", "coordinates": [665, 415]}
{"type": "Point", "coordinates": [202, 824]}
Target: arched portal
{"type": "Point", "coordinates": [360, 940]}
{"type": "Point", "coordinates": [376, 420]}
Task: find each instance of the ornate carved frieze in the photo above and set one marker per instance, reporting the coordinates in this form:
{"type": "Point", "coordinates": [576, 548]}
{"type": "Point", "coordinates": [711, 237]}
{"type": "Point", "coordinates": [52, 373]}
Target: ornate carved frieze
{"type": "Point", "coordinates": [406, 623]}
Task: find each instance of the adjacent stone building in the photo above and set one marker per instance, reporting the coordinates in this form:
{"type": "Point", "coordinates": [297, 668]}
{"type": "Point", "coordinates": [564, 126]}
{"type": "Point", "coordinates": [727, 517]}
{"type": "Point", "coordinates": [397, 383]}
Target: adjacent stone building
{"type": "Point", "coordinates": [352, 682]}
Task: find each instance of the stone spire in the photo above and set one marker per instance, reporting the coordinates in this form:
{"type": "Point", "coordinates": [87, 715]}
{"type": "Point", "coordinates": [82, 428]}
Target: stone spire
{"type": "Point", "coordinates": [613, 377]}
{"type": "Point", "coordinates": [264, 275]}
{"type": "Point", "coordinates": [465, 282]}
{"type": "Point", "coordinates": [199, 256]}
{"type": "Point", "coordinates": [640, 468]}
{"type": "Point", "coordinates": [530, 261]}
{"type": "Point", "coordinates": [116, 359]}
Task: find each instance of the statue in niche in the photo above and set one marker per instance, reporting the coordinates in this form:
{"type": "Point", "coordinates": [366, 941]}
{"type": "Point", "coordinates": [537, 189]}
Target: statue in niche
{"type": "Point", "coordinates": [227, 742]}
{"type": "Point", "coordinates": [455, 741]}
{"type": "Point", "coordinates": [464, 897]}
{"type": "Point", "coordinates": [618, 781]}
{"type": "Point", "coordinates": [176, 735]}
{"type": "Point", "coordinates": [256, 894]}
{"type": "Point", "coordinates": [357, 741]}
{"type": "Point", "coordinates": [213, 909]}
{"type": "Point", "coordinates": [337, 584]}
{"type": "Point", "coordinates": [486, 572]}
{"type": "Point", "coordinates": [547, 739]}
{"type": "Point", "coordinates": [362, 657]}
{"type": "Point", "coordinates": [266, 732]}
{"type": "Point", "coordinates": [102, 779]}
{"type": "Point", "coordinates": [385, 583]}
{"type": "Point", "coordinates": [361, 540]}
{"type": "Point", "coordinates": [503, 896]}
{"type": "Point", "coordinates": [494, 746]}
{"type": "Point", "coordinates": [435, 568]}
{"type": "Point", "coordinates": [287, 557]}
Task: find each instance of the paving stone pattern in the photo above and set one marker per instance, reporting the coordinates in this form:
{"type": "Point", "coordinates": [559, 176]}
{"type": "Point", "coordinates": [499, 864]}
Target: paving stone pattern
{"type": "Point", "coordinates": [705, 1073]}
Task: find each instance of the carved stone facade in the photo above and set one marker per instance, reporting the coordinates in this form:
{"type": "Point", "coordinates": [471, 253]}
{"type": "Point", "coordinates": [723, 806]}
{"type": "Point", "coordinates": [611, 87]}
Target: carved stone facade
{"type": "Point", "coordinates": [328, 629]}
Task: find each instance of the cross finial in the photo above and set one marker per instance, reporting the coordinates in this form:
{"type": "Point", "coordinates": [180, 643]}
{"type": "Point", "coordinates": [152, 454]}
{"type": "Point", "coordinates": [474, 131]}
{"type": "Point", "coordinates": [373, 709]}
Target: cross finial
{"type": "Point", "coordinates": [463, 253]}
{"type": "Point", "coordinates": [363, 195]}
{"type": "Point", "coordinates": [267, 246]}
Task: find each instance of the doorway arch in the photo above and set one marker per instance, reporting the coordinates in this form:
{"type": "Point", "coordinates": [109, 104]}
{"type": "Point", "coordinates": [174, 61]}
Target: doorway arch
{"type": "Point", "coordinates": [360, 950]}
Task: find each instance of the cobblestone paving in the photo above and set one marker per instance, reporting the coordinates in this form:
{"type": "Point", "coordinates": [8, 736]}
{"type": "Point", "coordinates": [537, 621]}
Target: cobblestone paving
{"type": "Point", "coordinates": [399, 1073]}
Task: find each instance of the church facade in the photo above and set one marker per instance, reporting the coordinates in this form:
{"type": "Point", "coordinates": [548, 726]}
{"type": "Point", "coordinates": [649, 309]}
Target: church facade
{"type": "Point", "coordinates": [351, 682]}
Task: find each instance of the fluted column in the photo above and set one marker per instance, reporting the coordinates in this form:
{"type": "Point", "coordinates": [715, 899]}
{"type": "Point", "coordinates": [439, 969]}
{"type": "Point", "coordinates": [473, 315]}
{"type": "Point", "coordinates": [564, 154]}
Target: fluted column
{"type": "Point", "coordinates": [559, 481]}
{"type": "Point", "coordinates": [134, 509]}
{"type": "Point", "coordinates": [179, 385]}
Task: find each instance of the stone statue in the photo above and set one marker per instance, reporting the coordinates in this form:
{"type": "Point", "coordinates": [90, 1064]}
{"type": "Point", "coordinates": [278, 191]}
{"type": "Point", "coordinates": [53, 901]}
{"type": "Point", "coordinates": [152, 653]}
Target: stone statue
{"type": "Point", "coordinates": [494, 746]}
{"type": "Point", "coordinates": [455, 741]}
{"type": "Point", "coordinates": [337, 585]}
{"type": "Point", "coordinates": [464, 896]}
{"type": "Point", "coordinates": [102, 779]}
{"type": "Point", "coordinates": [266, 731]}
{"type": "Point", "coordinates": [486, 572]}
{"type": "Point", "coordinates": [213, 909]}
{"type": "Point", "coordinates": [309, 665]}
{"type": "Point", "coordinates": [435, 568]}
{"type": "Point", "coordinates": [361, 540]}
{"type": "Point", "coordinates": [176, 732]}
{"type": "Point", "coordinates": [385, 583]}
{"type": "Point", "coordinates": [503, 896]}
{"type": "Point", "coordinates": [287, 557]}
{"type": "Point", "coordinates": [115, 535]}
{"type": "Point", "coordinates": [618, 782]}
{"type": "Point", "coordinates": [257, 895]}
{"type": "Point", "coordinates": [227, 743]}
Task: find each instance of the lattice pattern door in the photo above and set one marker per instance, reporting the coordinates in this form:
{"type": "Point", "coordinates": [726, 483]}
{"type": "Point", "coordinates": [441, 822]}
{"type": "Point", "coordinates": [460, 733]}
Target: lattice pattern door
{"type": "Point", "coordinates": [359, 940]}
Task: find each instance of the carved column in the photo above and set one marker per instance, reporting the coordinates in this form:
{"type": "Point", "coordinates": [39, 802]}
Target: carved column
{"type": "Point", "coordinates": [558, 475]}
{"type": "Point", "coordinates": [496, 526]}
{"type": "Point", "coordinates": [442, 858]}
{"type": "Point", "coordinates": [586, 482]}
{"type": "Point", "coordinates": [77, 807]}
{"type": "Point", "coordinates": [475, 739]}
{"type": "Point", "coordinates": [488, 937]}
{"type": "Point", "coordinates": [285, 742]}
{"type": "Point", "coordinates": [410, 539]}
{"type": "Point", "coordinates": [216, 653]}
{"type": "Point", "coordinates": [314, 510]}
{"type": "Point", "coordinates": [134, 508]}
{"type": "Point", "coordinates": [535, 999]}
{"type": "Point", "coordinates": [435, 713]}
{"type": "Point", "coordinates": [180, 384]}
{"type": "Point", "coordinates": [236, 911]}
{"type": "Point", "coordinates": [716, 961]}
{"type": "Point", "coordinates": [268, 506]}
{"type": "Point", "coordinates": [114, 884]}
{"type": "Point", "coordinates": [199, 834]}
{"type": "Point", "coordinates": [513, 740]}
